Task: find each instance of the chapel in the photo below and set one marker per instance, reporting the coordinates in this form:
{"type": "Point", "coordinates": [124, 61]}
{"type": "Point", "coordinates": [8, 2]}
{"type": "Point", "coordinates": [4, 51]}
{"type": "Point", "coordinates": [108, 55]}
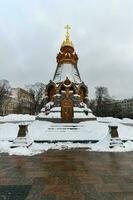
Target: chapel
{"type": "Point", "coordinates": [66, 95]}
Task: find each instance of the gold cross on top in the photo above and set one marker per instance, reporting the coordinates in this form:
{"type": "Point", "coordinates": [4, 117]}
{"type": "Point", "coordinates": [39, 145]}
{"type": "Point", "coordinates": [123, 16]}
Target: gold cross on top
{"type": "Point", "coordinates": [67, 27]}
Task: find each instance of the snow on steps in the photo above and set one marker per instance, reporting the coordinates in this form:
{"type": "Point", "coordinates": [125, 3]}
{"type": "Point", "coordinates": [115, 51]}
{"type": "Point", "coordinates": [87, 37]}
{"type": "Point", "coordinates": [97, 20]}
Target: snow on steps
{"type": "Point", "coordinates": [65, 128]}
{"type": "Point", "coordinates": [116, 142]}
{"type": "Point", "coordinates": [64, 133]}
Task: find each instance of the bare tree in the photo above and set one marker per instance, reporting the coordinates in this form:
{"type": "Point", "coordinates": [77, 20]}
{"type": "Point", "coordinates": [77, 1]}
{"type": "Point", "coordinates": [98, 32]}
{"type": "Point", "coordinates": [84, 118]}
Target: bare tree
{"type": "Point", "coordinates": [116, 110]}
{"type": "Point", "coordinates": [4, 92]}
{"type": "Point", "coordinates": [92, 105]}
{"type": "Point", "coordinates": [102, 99]}
{"type": "Point", "coordinates": [37, 90]}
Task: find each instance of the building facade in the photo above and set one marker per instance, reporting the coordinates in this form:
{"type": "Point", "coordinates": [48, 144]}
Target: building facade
{"type": "Point", "coordinates": [127, 108]}
{"type": "Point", "coordinates": [19, 101]}
{"type": "Point", "coordinates": [120, 108]}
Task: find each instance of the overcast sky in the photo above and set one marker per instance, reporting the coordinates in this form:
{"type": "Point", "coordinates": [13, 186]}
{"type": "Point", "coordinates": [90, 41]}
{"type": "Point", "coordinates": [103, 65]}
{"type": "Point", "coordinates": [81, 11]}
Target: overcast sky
{"type": "Point", "coordinates": [31, 32]}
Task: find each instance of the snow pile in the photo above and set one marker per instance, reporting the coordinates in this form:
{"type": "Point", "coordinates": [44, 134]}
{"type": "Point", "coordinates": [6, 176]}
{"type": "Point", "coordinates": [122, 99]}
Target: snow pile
{"type": "Point", "coordinates": [103, 146]}
{"type": "Point", "coordinates": [127, 121]}
{"type": "Point", "coordinates": [115, 120]}
{"type": "Point", "coordinates": [125, 132]}
{"type": "Point", "coordinates": [22, 142]}
{"type": "Point", "coordinates": [8, 131]}
{"type": "Point", "coordinates": [37, 148]}
{"type": "Point", "coordinates": [17, 118]}
{"type": "Point", "coordinates": [5, 146]}
{"type": "Point", "coordinates": [21, 151]}
{"type": "Point", "coordinates": [108, 120]}
{"type": "Point", "coordinates": [105, 143]}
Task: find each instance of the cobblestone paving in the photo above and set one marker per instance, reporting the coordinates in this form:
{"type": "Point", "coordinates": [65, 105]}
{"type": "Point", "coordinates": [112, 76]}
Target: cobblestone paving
{"type": "Point", "coordinates": [67, 175]}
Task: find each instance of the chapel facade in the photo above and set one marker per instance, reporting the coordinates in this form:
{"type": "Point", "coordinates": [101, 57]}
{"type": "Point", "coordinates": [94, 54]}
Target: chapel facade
{"type": "Point", "coordinates": [66, 95]}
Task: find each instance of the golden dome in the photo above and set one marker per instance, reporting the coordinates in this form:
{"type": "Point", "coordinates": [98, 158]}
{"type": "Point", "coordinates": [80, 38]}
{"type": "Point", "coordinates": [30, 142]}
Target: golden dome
{"type": "Point", "coordinates": [67, 41]}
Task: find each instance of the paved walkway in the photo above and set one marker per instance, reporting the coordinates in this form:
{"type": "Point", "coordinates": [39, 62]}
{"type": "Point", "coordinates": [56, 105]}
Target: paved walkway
{"type": "Point", "coordinates": [67, 175]}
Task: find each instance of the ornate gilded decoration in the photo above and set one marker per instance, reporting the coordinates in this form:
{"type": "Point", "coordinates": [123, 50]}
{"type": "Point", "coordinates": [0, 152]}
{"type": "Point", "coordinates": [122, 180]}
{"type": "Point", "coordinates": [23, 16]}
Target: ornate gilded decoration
{"type": "Point", "coordinates": [50, 91]}
{"type": "Point", "coordinates": [67, 82]}
{"type": "Point", "coordinates": [67, 110]}
{"type": "Point", "coordinates": [83, 92]}
{"type": "Point", "coordinates": [67, 53]}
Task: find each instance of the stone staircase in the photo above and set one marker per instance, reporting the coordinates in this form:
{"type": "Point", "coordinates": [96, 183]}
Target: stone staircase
{"type": "Point", "coordinates": [116, 142]}
{"type": "Point", "coordinates": [65, 128]}
{"type": "Point", "coordinates": [61, 132]}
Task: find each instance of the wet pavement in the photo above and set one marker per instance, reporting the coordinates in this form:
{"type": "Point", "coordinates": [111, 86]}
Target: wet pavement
{"type": "Point", "coordinates": [67, 175]}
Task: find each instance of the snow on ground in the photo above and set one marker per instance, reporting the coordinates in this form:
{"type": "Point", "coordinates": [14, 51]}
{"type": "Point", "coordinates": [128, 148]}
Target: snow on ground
{"type": "Point", "coordinates": [8, 131]}
{"type": "Point", "coordinates": [15, 117]}
{"type": "Point", "coordinates": [89, 130]}
{"type": "Point", "coordinates": [125, 132]}
{"type": "Point", "coordinates": [5, 146]}
{"type": "Point", "coordinates": [115, 120]}
{"type": "Point", "coordinates": [103, 146]}
{"type": "Point", "coordinates": [37, 148]}
{"type": "Point", "coordinates": [127, 121]}
{"type": "Point", "coordinates": [108, 120]}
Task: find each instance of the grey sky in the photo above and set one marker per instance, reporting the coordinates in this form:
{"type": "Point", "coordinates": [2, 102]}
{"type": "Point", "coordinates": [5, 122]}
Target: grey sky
{"type": "Point", "coordinates": [31, 32]}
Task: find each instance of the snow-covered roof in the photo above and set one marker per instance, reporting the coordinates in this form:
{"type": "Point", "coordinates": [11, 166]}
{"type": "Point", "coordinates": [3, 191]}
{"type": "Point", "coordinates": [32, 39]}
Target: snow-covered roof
{"type": "Point", "coordinates": [67, 71]}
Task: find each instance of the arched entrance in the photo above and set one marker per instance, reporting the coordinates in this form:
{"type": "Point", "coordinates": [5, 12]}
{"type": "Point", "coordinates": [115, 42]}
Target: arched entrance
{"type": "Point", "coordinates": [67, 111]}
